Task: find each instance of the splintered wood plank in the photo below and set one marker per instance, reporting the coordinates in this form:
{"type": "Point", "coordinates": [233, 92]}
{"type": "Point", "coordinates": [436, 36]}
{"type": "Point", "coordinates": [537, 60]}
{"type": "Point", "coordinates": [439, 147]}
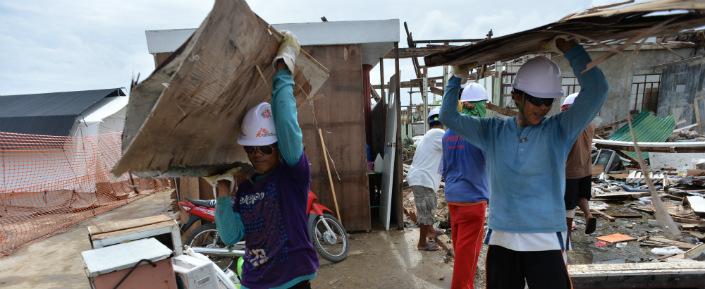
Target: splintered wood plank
{"type": "Point", "coordinates": [184, 119]}
{"type": "Point", "coordinates": [669, 242]}
{"type": "Point", "coordinates": [638, 275]}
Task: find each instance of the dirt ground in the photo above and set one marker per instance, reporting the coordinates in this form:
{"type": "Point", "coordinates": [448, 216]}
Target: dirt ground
{"type": "Point", "coordinates": [377, 260]}
{"type": "Point", "coordinates": [55, 262]}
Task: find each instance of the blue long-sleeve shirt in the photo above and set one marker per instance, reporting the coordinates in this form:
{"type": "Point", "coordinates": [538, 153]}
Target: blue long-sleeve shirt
{"type": "Point", "coordinates": [269, 211]}
{"type": "Point", "coordinates": [463, 167]}
{"type": "Point", "coordinates": [526, 165]}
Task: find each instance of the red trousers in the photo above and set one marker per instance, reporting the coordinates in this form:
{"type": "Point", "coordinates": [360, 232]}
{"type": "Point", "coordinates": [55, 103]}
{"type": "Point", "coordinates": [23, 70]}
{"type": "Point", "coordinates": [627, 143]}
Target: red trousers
{"type": "Point", "coordinates": [466, 222]}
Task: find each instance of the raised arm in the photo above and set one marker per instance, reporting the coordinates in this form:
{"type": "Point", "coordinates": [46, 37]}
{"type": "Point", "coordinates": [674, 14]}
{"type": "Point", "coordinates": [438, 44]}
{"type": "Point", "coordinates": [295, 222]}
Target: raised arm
{"type": "Point", "coordinates": [593, 93]}
{"type": "Point", "coordinates": [290, 138]}
{"type": "Point", "coordinates": [466, 126]}
{"type": "Point", "coordinates": [291, 146]}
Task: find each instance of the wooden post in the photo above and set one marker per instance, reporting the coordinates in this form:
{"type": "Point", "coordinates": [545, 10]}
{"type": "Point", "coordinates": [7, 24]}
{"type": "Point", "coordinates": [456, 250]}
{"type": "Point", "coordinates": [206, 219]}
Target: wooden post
{"type": "Point", "coordinates": [424, 95]}
{"type": "Point", "coordinates": [698, 117]}
{"type": "Point", "coordinates": [398, 164]}
{"type": "Point", "coordinates": [381, 80]}
{"type": "Point", "coordinates": [330, 177]}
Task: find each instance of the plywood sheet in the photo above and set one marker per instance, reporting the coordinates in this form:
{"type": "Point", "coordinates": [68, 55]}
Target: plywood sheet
{"type": "Point", "coordinates": [185, 117]}
{"type": "Point", "coordinates": [339, 112]}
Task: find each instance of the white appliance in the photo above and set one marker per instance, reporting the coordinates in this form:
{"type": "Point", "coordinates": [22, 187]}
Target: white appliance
{"type": "Point", "coordinates": [195, 273]}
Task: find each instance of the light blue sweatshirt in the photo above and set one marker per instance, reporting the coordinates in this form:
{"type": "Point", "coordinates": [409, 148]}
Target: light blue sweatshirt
{"type": "Point", "coordinates": [526, 165]}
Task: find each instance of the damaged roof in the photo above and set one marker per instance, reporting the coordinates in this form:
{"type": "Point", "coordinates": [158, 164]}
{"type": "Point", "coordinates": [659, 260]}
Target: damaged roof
{"type": "Point", "coordinates": [598, 25]}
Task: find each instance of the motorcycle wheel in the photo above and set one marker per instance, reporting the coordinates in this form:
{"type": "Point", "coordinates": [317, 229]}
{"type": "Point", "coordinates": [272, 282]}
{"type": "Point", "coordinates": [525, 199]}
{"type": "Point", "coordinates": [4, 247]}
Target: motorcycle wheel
{"type": "Point", "coordinates": [207, 236]}
{"type": "Point", "coordinates": [331, 244]}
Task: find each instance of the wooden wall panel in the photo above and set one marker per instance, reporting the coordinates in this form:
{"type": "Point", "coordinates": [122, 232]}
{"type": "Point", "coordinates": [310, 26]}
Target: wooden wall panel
{"type": "Point", "coordinates": [340, 114]}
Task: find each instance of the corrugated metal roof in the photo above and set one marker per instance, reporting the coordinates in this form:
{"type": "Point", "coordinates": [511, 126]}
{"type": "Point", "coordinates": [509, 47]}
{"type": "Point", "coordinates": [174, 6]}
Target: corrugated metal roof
{"type": "Point", "coordinates": [312, 33]}
{"type": "Point", "coordinates": [48, 113]}
{"type": "Point", "coordinates": [647, 128]}
{"type": "Point", "coordinates": [376, 37]}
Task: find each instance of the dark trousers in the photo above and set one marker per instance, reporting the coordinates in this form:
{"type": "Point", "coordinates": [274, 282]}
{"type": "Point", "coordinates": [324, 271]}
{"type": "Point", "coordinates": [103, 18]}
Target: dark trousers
{"type": "Point", "coordinates": [508, 269]}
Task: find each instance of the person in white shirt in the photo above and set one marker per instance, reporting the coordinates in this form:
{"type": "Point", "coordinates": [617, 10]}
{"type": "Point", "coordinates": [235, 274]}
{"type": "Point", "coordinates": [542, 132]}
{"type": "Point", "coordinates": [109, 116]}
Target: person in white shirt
{"type": "Point", "coordinates": [424, 178]}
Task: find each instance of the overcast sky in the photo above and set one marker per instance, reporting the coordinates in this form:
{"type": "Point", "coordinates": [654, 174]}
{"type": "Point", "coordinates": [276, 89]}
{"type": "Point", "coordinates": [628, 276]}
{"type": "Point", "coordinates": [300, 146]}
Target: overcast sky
{"type": "Point", "coordinates": [61, 45]}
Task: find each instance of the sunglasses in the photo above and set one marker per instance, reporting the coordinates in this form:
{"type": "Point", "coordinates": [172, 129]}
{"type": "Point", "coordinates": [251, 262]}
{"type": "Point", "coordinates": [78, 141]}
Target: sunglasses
{"type": "Point", "coordinates": [267, 150]}
{"type": "Point", "coordinates": [537, 101]}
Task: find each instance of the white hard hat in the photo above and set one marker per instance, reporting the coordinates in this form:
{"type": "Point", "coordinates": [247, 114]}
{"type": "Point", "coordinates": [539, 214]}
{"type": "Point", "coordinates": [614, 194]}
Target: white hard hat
{"type": "Point", "coordinates": [434, 111]}
{"type": "Point", "coordinates": [433, 115]}
{"type": "Point", "coordinates": [570, 99]}
{"type": "Point", "coordinates": [473, 92]}
{"type": "Point", "coordinates": [258, 127]}
{"type": "Point", "coordinates": [539, 77]}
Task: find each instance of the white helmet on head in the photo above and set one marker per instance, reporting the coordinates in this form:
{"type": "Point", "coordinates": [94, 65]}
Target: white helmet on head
{"type": "Point", "coordinates": [539, 77]}
{"type": "Point", "coordinates": [258, 127]}
{"type": "Point", "coordinates": [473, 91]}
{"type": "Point", "coordinates": [570, 99]}
{"type": "Point", "coordinates": [434, 115]}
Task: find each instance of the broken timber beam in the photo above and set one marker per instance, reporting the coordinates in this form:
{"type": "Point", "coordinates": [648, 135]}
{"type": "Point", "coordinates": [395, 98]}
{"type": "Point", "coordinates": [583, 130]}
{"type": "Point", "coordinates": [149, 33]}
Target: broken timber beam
{"type": "Point", "coordinates": [502, 110]}
{"type": "Point", "coordinates": [667, 147]}
{"type": "Point", "coordinates": [638, 275]}
{"type": "Point", "coordinates": [415, 52]}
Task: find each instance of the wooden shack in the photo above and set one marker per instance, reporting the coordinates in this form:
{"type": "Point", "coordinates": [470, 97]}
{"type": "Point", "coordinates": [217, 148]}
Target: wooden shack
{"type": "Point", "coordinates": [349, 49]}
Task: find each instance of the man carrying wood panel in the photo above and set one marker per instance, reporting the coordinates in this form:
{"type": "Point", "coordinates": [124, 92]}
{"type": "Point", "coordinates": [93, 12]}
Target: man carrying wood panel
{"type": "Point", "coordinates": [463, 168]}
{"type": "Point", "coordinates": [269, 209]}
{"type": "Point", "coordinates": [425, 179]}
{"type": "Point", "coordinates": [526, 158]}
{"type": "Point", "coordinates": [578, 173]}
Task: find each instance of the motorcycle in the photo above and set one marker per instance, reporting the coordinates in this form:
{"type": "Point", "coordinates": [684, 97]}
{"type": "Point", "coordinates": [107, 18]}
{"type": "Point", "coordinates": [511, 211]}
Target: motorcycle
{"type": "Point", "coordinates": [326, 232]}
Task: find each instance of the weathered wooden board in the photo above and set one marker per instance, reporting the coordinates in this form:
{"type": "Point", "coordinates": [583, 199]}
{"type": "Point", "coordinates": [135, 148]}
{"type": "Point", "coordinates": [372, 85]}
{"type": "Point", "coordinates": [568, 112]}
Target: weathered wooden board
{"type": "Point", "coordinates": [638, 275]}
{"type": "Point", "coordinates": [593, 25]}
{"type": "Point", "coordinates": [185, 117]}
{"type": "Point", "coordinates": [340, 114]}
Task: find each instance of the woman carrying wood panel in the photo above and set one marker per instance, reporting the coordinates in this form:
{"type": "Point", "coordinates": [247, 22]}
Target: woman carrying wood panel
{"type": "Point", "coordinates": [269, 209]}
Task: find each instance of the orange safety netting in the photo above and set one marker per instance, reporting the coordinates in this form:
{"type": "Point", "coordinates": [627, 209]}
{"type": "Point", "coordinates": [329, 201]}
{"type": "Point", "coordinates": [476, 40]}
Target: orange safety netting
{"type": "Point", "coordinates": [48, 183]}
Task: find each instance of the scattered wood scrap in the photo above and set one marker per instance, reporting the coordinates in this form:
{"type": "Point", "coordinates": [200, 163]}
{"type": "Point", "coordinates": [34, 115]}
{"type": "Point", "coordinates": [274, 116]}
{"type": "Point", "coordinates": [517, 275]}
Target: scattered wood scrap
{"type": "Point", "coordinates": [603, 214]}
{"type": "Point", "coordinates": [696, 253]}
{"type": "Point", "coordinates": [620, 195]}
{"type": "Point", "coordinates": [659, 241]}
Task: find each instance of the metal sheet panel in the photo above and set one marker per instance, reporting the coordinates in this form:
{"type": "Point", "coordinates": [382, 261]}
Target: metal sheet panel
{"type": "Point", "coordinates": [389, 155]}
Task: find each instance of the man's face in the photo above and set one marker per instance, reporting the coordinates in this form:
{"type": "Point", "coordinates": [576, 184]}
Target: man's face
{"type": "Point", "coordinates": [535, 109]}
{"type": "Point", "coordinates": [468, 105]}
{"type": "Point", "coordinates": [263, 158]}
